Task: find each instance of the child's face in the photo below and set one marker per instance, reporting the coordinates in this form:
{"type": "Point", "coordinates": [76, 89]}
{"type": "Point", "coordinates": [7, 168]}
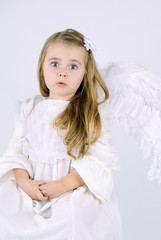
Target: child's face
{"type": "Point", "coordinates": [63, 69]}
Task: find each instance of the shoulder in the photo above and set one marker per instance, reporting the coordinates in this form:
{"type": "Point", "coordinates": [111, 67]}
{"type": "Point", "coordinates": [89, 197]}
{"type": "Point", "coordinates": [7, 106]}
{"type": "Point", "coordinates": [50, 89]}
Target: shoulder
{"type": "Point", "coordinates": [24, 108]}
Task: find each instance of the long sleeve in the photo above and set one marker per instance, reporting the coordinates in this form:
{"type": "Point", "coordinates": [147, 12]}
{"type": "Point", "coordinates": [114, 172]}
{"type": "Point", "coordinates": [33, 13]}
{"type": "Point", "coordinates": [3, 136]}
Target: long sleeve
{"type": "Point", "coordinates": [96, 167]}
{"type": "Point", "coordinates": [15, 157]}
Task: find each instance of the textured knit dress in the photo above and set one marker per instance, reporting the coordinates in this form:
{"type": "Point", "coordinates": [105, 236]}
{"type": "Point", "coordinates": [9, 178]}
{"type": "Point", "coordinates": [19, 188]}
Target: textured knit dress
{"type": "Point", "coordinates": [89, 212]}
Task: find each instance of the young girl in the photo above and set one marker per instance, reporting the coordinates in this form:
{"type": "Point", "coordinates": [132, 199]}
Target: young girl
{"type": "Point", "coordinates": [57, 171]}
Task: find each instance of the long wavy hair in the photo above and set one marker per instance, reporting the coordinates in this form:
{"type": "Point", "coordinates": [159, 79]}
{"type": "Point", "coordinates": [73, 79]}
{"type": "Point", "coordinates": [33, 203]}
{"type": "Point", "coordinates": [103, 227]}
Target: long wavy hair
{"type": "Point", "coordinates": [81, 118]}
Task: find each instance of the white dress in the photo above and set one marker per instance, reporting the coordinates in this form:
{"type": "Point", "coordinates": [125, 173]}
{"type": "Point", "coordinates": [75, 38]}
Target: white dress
{"type": "Point", "coordinates": [89, 212]}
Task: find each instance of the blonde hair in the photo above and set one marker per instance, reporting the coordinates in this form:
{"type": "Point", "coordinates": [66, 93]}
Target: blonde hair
{"type": "Point", "coordinates": [81, 118]}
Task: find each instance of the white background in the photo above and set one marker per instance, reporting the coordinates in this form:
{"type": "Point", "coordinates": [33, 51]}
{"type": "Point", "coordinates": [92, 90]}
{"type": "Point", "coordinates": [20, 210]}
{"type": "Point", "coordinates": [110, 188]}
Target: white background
{"type": "Point", "coordinates": [121, 30]}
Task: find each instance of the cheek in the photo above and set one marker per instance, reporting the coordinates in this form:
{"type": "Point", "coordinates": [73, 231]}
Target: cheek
{"type": "Point", "coordinates": [49, 75]}
{"type": "Point", "coordinates": [82, 77]}
{"type": "Point", "coordinates": [45, 71]}
{"type": "Point", "coordinates": [47, 79]}
{"type": "Point", "coordinates": [79, 81]}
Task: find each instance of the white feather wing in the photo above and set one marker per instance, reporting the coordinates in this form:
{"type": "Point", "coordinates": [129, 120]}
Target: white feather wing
{"type": "Point", "coordinates": [135, 102]}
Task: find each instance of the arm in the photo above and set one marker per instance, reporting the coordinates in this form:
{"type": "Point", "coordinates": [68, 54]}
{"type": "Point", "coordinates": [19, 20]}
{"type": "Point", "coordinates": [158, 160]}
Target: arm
{"type": "Point", "coordinates": [30, 187]}
{"type": "Point", "coordinates": [96, 167]}
{"type": "Point", "coordinates": [14, 156]}
{"type": "Point", "coordinates": [57, 188]}
{"type": "Point", "coordinates": [72, 181]}
{"type": "Point", "coordinates": [21, 176]}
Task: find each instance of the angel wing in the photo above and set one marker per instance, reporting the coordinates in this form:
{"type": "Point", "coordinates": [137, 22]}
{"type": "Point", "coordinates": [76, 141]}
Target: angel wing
{"type": "Point", "coordinates": [135, 102]}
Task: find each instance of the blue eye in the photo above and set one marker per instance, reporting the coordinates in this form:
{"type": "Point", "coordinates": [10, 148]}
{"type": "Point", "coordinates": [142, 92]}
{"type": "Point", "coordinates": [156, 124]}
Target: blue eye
{"type": "Point", "coordinates": [54, 64]}
{"type": "Point", "coordinates": [73, 67]}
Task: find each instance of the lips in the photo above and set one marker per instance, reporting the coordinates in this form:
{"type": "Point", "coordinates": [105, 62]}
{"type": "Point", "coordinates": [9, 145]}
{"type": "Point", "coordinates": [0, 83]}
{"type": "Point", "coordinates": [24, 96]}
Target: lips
{"type": "Point", "coordinates": [61, 84]}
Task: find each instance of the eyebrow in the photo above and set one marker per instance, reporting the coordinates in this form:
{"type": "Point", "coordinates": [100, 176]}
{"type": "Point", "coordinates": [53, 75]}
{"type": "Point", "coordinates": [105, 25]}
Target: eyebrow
{"type": "Point", "coordinates": [71, 60]}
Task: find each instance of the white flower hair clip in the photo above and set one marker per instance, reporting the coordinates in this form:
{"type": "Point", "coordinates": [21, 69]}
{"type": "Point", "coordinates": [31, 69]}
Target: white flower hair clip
{"type": "Point", "coordinates": [89, 45]}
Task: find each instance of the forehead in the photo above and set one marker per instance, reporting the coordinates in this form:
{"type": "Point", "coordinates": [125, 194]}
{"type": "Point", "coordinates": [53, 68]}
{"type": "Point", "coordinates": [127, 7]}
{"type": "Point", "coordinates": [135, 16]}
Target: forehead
{"type": "Point", "coordinates": [61, 49]}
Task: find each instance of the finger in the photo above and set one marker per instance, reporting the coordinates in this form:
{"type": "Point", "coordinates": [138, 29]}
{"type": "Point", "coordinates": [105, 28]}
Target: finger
{"type": "Point", "coordinates": [44, 191]}
{"type": "Point", "coordinates": [41, 187]}
{"type": "Point", "coordinates": [41, 183]}
{"type": "Point", "coordinates": [41, 196]}
{"type": "Point", "coordinates": [45, 195]}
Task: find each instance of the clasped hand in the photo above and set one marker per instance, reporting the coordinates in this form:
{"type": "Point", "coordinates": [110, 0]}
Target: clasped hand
{"type": "Point", "coordinates": [39, 190]}
{"type": "Point", "coordinates": [52, 189]}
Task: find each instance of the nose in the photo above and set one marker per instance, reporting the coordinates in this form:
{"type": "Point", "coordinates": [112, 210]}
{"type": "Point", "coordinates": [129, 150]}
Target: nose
{"type": "Point", "coordinates": [62, 73]}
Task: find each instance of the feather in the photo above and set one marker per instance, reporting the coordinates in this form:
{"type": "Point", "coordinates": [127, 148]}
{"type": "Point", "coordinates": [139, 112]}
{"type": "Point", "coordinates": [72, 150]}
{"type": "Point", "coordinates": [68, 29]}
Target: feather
{"type": "Point", "coordinates": [135, 102]}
